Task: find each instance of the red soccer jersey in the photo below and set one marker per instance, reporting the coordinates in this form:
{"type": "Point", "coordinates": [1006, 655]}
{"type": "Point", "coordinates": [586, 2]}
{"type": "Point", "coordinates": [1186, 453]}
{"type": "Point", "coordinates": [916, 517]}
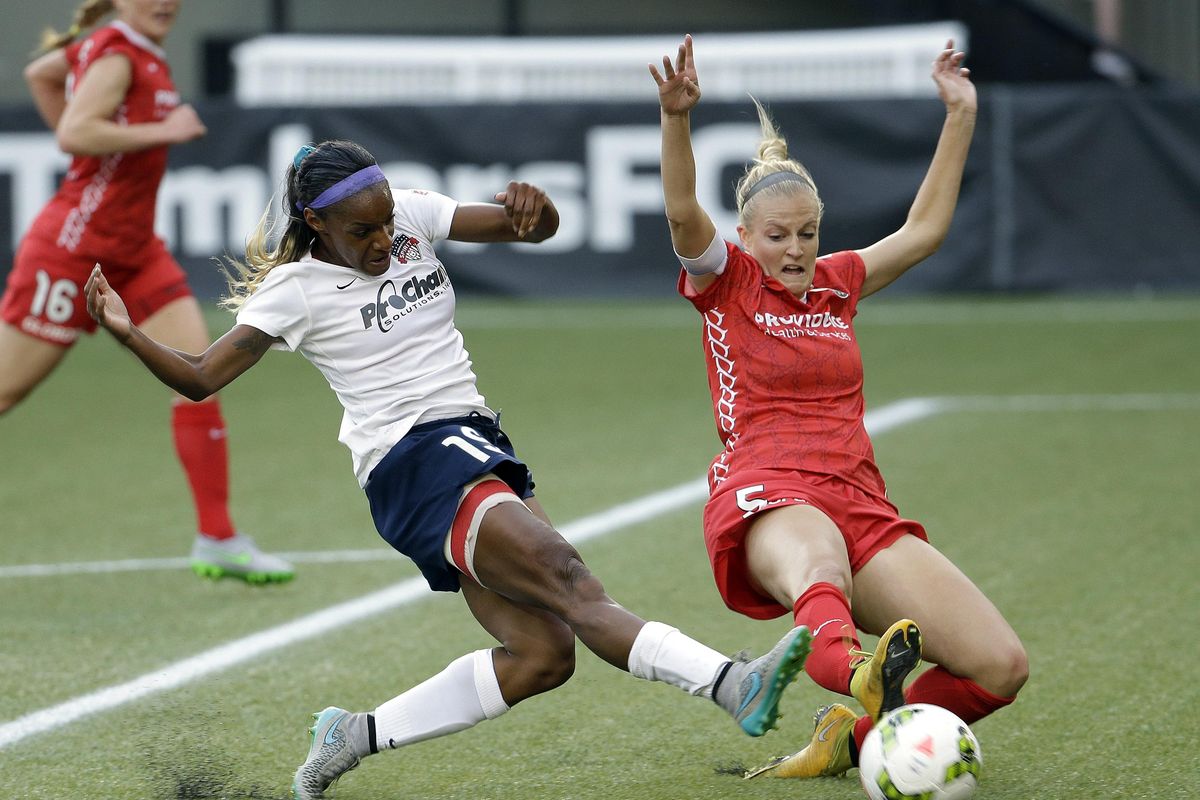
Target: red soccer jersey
{"type": "Point", "coordinates": [786, 374]}
{"type": "Point", "coordinates": [105, 205]}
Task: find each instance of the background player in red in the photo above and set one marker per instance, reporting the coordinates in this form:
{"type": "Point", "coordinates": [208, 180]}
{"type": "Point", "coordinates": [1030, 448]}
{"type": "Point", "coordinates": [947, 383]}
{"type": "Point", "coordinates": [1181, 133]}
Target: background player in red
{"type": "Point", "coordinates": [798, 518]}
{"type": "Point", "coordinates": [110, 100]}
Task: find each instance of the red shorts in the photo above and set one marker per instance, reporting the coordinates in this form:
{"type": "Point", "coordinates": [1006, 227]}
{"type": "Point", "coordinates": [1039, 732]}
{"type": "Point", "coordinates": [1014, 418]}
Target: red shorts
{"type": "Point", "coordinates": [44, 297]}
{"type": "Point", "coordinates": [868, 523]}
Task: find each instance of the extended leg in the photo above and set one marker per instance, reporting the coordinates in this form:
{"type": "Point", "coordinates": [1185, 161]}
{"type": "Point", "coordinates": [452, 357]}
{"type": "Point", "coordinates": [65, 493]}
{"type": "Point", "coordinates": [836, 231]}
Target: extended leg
{"type": "Point", "coordinates": [521, 557]}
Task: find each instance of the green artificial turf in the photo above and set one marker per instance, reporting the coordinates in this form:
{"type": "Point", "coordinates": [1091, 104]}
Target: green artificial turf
{"type": "Point", "coordinates": [1078, 520]}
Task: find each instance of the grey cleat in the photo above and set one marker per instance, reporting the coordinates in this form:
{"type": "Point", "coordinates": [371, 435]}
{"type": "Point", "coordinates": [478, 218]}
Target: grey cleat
{"type": "Point", "coordinates": [238, 557]}
{"type": "Point", "coordinates": [751, 690]}
{"type": "Point", "coordinates": [340, 739]}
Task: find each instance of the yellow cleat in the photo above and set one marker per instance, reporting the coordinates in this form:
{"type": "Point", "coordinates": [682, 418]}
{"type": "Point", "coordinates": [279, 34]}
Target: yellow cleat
{"type": "Point", "coordinates": [828, 753]}
{"type": "Point", "coordinates": [878, 679]}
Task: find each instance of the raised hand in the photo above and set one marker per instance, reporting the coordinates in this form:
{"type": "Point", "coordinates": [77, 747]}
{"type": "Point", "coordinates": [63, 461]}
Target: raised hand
{"type": "Point", "coordinates": [523, 203]}
{"type": "Point", "coordinates": [678, 84]}
{"type": "Point", "coordinates": [954, 80]}
{"type": "Point", "coordinates": [106, 306]}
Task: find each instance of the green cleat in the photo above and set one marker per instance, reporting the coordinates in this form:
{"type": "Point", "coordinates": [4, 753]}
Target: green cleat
{"type": "Point", "coordinates": [238, 557]}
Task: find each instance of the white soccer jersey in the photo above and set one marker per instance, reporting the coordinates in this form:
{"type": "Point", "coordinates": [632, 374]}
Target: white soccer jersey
{"type": "Point", "coordinates": [387, 345]}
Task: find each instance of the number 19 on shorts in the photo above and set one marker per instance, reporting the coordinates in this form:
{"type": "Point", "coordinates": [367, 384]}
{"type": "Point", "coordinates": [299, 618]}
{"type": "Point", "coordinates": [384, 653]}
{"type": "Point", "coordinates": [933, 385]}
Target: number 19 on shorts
{"type": "Point", "coordinates": [469, 448]}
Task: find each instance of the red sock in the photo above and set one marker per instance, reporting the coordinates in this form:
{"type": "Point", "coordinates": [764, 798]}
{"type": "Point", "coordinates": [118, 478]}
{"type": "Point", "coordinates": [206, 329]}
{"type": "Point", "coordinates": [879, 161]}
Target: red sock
{"type": "Point", "coordinates": [939, 687]}
{"type": "Point", "coordinates": [199, 432]}
{"type": "Point", "coordinates": [826, 612]}
{"type": "Point", "coordinates": [967, 699]}
{"type": "Point", "coordinates": [861, 729]}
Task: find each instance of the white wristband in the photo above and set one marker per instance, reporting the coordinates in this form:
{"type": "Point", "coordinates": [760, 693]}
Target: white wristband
{"type": "Point", "coordinates": [710, 262]}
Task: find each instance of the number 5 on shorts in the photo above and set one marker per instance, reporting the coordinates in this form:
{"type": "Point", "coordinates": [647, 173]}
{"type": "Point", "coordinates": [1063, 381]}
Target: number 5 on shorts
{"type": "Point", "coordinates": [746, 504]}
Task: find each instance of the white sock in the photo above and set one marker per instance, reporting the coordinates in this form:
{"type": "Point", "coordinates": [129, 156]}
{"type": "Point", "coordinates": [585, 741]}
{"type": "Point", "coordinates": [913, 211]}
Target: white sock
{"type": "Point", "coordinates": [662, 653]}
{"type": "Point", "coordinates": [462, 695]}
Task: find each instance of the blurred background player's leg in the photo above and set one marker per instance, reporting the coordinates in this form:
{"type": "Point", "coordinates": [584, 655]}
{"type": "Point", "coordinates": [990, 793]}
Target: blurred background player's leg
{"type": "Point", "coordinates": [24, 363]}
{"type": "Point", "coordinates": [200, 442]}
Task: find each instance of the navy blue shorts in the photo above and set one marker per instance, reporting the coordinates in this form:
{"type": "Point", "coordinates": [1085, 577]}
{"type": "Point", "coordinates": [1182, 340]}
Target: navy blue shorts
{"type": "Point", "coordinates": [415, 490]}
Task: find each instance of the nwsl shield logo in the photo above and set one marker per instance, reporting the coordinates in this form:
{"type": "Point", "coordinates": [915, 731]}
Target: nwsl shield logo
{"type": "Point", "coordinates": [405, 248]}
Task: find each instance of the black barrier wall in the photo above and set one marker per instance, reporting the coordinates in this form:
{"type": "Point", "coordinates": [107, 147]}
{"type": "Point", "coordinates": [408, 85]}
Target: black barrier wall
{"type": "Point", "coordinates": [1068, 188]}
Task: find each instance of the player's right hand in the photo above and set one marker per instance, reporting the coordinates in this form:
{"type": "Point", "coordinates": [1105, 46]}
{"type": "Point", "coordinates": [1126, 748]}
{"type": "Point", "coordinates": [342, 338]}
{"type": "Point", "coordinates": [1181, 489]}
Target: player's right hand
{"type": "Point", "coordinates": [678, 84]}
{"type": "Point", "coordinates": [106, 306]}
{"type": "Point", "coordinates": [523, 204]}
{"type": "Point", "coordinates": [183, 124]}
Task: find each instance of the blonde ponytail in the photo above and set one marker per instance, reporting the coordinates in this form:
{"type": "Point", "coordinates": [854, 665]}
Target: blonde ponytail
{"type": "Point", "coordinates": [244, 276]}
{"type": "Point", "coordinates": [772, 158]}
{"type": "Point", "coordinates": [88, 14]}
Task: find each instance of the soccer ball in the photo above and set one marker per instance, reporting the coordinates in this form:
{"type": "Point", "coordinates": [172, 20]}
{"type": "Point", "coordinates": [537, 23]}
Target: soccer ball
{"type": "Point", "coordinates": [920, 751]}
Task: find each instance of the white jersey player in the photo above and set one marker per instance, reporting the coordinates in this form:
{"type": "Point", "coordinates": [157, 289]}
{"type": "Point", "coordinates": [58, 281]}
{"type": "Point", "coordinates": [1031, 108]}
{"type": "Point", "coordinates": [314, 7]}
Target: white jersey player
{"type": "Point", "coordinates": [355, 286]}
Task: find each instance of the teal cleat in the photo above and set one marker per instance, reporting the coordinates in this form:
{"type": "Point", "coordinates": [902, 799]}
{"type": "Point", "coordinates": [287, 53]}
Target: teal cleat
{"type": "Point", "coordinates": [751, 690]}
{"type": "Point", "coordinates": [340, 740]}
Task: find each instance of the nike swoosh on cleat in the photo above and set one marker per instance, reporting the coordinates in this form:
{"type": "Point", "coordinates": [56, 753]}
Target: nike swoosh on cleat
{"type": "Point", "coordinates": [756, 679]}
{"type": "Point", "coordinates": [332, 728]}
{"type": "Point", "coordinates": [823, 734]}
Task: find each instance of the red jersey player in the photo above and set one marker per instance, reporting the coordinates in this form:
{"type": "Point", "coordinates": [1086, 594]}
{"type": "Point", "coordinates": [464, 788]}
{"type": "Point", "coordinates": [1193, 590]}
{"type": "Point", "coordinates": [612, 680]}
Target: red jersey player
{"type": "Point", "coordinates": [111, 102]}
{"type": "Point", "coordinates": [798, 518]}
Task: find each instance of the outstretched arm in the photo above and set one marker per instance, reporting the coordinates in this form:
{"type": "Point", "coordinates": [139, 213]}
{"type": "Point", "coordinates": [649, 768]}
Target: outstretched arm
{"type": "Point", "coordinates": [522, 213]}
{"type": "Point", "coordinates": [193, 376]}
{"type": "Point", "coordinates": [931, 211]}
{"type": "Point", "coordinates": [692, 230]}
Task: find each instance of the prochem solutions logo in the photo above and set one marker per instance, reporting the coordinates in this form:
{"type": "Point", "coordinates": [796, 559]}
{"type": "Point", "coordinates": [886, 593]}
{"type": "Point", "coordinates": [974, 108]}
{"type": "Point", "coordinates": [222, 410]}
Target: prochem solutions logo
{"type": "Point", "coordinates": [391, 303]}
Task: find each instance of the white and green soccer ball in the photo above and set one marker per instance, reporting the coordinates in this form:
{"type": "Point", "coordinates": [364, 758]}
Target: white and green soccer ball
{"type": "Point", "coordinates": [920, 751]}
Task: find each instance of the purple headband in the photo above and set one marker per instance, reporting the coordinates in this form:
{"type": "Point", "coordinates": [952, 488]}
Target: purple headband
{"type": "Point", "coordinates": [351, 184]}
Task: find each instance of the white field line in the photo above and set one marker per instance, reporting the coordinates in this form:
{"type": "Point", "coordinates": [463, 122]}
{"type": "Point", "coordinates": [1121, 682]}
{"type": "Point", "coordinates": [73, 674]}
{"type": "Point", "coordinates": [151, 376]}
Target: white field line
{"type": "Point", "coordinates": [149, 564]}
{"type": "Point", "coordinates": [646, 508]}
{"type": "Point", "coordinates": [886, 418]}
{"type": "Point", "coordinates": [250, 647]}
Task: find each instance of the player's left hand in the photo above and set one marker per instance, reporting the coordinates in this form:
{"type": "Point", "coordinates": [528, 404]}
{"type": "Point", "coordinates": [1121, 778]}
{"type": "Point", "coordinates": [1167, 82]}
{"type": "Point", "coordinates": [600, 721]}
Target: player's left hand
{"type": "Point", "coordinates": [954, 80]}
{"type": "Point", "coordinates": [106, 306]}
{"type": "Point", "coordinates": [678, 83]}
{"type": "Point", "coordinates": [523, 204]}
